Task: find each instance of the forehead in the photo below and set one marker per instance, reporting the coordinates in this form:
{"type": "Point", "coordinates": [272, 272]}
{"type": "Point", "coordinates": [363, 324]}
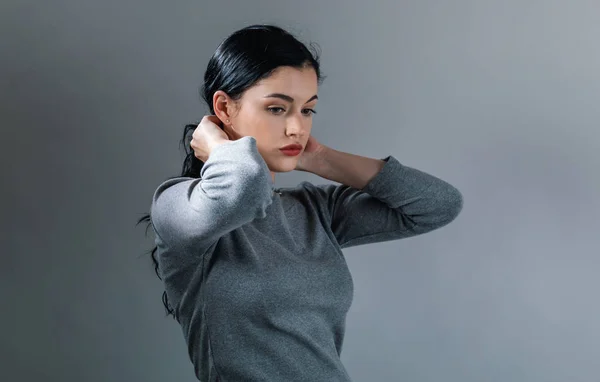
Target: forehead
{"type": "Point", "coordinates": [300, 84]}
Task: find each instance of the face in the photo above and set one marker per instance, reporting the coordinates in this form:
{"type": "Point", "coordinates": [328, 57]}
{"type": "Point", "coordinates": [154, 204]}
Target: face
{"type": "Point", "coordinates": [277, 112]}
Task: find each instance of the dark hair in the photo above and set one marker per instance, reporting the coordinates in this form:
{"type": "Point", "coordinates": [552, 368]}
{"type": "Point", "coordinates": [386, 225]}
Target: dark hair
{"type": "Point", "coordinates": [240, 61]}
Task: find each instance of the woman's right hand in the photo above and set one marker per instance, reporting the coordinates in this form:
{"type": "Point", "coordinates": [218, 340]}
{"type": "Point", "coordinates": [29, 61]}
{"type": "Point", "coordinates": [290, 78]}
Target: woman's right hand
{"type": "Point", "coordinates": [206, 136]}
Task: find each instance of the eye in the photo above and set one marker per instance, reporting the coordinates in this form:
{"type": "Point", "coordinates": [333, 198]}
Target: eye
{"type": "Point", "coordinates": [309, 111]}
{"type": "Point", "coordinates": [276, 110]}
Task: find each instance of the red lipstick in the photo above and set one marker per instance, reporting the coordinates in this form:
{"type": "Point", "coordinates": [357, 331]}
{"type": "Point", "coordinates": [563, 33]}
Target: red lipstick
{"type": "Point", "coordinates": [291, 150]}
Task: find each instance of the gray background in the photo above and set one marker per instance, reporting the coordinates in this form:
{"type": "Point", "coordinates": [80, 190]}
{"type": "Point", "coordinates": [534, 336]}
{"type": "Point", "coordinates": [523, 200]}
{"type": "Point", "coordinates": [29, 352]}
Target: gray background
{"type": "Point", "coordinates": [500, 98]}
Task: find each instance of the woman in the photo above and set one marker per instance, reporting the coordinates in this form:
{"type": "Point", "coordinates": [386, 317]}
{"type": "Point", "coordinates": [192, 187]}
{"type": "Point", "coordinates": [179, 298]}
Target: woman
{"type": "Point", "coordinates": [254, 274]}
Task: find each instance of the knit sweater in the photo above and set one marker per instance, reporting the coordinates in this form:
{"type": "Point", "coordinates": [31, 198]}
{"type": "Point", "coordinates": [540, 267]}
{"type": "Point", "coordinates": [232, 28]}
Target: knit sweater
{"type": "Point", "coordinates": [256, 274]}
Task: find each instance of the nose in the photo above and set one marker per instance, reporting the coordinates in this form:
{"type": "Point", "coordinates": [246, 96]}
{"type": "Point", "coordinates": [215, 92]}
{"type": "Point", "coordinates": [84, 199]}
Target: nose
{"type": "Point", "coordinates": [297, 125]}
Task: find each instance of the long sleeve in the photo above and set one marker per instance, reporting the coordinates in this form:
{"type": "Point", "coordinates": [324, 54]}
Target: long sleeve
{"type": "Point", "coordinates": [234, 188]}
{"type": "Point", "coordinates": [398, 202]}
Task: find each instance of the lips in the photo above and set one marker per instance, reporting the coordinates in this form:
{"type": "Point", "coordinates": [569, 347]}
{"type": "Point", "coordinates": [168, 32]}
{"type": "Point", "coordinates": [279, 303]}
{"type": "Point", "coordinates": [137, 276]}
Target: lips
{"type": "Point", "coordinates": [292, 150]}
{"type": "Point", "coordinates": [292, 147]}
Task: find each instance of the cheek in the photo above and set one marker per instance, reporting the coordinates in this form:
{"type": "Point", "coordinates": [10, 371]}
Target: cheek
{"type": "Point", "coordinates": [309, 124]}
{"type": "Point", "coordinates": [247, 121]}
{"type": "Point", "coordinates": [264, 122]}
{"type": "Point", "coordinates": [258, 123]}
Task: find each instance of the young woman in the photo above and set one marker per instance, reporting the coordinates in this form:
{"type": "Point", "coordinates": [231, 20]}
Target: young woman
{"type": "Point", "coordinates": [255, 274]}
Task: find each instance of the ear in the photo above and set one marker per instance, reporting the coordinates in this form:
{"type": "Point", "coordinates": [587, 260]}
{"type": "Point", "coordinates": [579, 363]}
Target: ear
{"type": "Point", "coordinates": [223, 106]}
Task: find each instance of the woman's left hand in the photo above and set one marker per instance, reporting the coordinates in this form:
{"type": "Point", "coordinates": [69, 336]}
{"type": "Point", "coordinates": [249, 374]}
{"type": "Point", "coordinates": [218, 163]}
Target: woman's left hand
{"type": "Point", "coordinates": [311, 156]}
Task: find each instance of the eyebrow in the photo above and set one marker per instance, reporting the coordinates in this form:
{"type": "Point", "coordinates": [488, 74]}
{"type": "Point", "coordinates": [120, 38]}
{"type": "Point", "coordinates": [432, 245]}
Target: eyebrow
{"type": "Point", "coordinates": [286, 97]}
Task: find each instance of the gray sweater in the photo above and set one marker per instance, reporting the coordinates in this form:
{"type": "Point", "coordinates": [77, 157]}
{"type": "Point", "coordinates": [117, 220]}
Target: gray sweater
{"type": "Point", "coordinates": [256, 274]}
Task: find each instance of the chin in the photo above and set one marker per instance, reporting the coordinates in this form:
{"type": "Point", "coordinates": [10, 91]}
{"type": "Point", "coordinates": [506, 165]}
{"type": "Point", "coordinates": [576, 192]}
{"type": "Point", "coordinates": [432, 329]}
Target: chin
{"type": "Point", "coordinates": [283, 165]}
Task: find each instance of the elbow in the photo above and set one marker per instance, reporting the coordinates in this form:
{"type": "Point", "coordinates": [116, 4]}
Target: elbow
{"type": "Point", "coordinates": [456, 203]}
{"type": "Point", "coordinates": [450, 205]}
{"type": "Point", "coordinates": [445, 207]}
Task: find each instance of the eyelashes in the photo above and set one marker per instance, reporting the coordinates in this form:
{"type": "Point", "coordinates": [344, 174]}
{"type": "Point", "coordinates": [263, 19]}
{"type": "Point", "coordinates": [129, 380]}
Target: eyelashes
{"type": "Point", "coordinates": [280, 110]}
